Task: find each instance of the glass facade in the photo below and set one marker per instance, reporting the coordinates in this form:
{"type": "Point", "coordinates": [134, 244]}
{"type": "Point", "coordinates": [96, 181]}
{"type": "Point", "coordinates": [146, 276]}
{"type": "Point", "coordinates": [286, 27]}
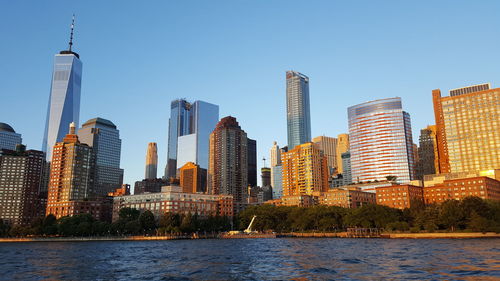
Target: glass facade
{"type": "Point", "coordinates": [380, 141]}
{"type": "Point", "coordinates": [64, 101]}
{"type": "Point", "coordinates": [252, 162]}
{"type": "Point", "coordinates": [297, 109]}
{"type": "Point", "coordinates": [103, 136]}
{"type": "Point", "coordinates": [471, 124]}
{"type": "Point", "coordinates": [190, 126]}
{"type": "Point", "coordinates": [346, 163]}
{"type": "Point", "coordinates": [8, 137]}
{"type": "Point", "coordinates": [276, 183]}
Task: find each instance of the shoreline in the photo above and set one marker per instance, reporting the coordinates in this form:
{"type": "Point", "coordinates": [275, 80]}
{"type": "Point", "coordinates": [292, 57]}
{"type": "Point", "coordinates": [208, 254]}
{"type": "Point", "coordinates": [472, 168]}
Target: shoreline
{"type": "Point", "coordinates": [456, 235]}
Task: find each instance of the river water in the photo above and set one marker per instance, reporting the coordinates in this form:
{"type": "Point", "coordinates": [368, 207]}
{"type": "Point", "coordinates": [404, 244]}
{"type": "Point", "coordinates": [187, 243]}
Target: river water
{"type": "Point", "coordinates": [253, 259]}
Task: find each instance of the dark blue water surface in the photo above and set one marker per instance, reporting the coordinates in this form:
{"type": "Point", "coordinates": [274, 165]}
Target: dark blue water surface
{"type": "Point", "coordinates": [253, 259]}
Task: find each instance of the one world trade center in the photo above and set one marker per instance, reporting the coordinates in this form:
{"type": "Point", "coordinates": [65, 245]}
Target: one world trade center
{"type": "Point", "coordinates": [64, 100]}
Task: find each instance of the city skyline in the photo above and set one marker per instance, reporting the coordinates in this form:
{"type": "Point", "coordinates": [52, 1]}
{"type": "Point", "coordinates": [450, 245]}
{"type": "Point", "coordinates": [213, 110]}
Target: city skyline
{"type": "Point", "coordinates": [136, 136]}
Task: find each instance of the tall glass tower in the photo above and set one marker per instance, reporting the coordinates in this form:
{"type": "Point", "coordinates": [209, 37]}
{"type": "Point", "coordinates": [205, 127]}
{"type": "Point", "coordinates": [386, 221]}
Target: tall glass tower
{"type": "Point", "coordinates": [103, 136]}
{"type": "Point", "coordinates": [297, 109]}
{"type": "Point", "coordinates": [64, 100]}
{"type": "Point", "coordinates": [190, 126]}
{"type": "Point", "coordinates": [381, 141]}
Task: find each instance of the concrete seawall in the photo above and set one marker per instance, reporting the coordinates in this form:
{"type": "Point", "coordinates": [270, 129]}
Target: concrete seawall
{"type": "Point", "coordinates": [470, 235]}
{"type": "Point", "coordinates": [440, 235]}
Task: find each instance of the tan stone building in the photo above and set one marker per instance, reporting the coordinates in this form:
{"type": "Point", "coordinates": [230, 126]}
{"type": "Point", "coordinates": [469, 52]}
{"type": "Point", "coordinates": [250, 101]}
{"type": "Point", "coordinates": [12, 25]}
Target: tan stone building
{"type": "Point", "coordinates": [342, 147]}
{"type": "Point", "coordinates": [346, 197]}
{"type": "Point", "coordinates": [329, 147]}
{"type": "Point", "coordinates": [173, 200]}
{"type": "Point", "coordinates": [304, 170]}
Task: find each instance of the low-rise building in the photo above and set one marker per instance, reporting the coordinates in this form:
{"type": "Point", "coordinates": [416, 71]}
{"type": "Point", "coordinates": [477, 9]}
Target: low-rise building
{"type": "Point", "coordinates": [171, 199]}
{"type": "Point", "coordinates": [123, 190]}
{"type": "Point", "coordinates": [347, 197]}
{"type": "Point", "coordinates": [149, 185]}
{"type": "Point", "coordinates": [299, 200]}
{"type": "Point", "coordinates": [399, 196]}
{"type": "Point", "coordinates": [457, 189]}
{"type": "Point", "coordinates": [99, 209]}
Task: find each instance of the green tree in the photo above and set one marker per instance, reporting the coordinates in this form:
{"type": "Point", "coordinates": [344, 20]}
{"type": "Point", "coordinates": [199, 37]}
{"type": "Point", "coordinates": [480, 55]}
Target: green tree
{"type": "Point", "coordinates": [451, 215]}
{"type": "Point", "coordinates": [147, 220]}
{"type": "Point", "coordinates": [132, 227]}
{"type": "Point", "coordinates": [187, 223]}
{"type": "Point", "coordinates": [129, 214]}
{"type": "Point", "coordinates": [477, 222]}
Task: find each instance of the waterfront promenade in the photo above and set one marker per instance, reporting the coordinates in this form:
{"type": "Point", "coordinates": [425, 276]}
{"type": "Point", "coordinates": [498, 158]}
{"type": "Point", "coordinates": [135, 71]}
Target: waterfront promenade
{"type": "Point", "coordinates": [456, 235]}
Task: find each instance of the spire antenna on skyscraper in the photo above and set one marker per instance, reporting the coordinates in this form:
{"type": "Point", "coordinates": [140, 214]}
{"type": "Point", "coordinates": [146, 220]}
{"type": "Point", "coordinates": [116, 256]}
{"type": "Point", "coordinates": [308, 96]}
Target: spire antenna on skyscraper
{"type": "Point", "coordinates": [71, 35]}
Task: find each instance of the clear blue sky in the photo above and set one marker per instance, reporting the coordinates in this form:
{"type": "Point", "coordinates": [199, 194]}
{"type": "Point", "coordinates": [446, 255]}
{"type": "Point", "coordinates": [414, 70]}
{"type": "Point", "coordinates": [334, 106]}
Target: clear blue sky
{"type": "Point", "coordinates": [139, 55]}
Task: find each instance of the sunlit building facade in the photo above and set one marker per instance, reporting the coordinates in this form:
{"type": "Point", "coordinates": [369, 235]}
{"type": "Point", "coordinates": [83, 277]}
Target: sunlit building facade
{"type": "Point", "coordinates": [305, 170]}
{"type": "Point", "coordinates": [399, 196]}
{"type": "Point", "coordinates": [171, 199]}
{"type": "Point", "coordinates": [342, 147]}
{"type": "Point", "coordinates": [468, 128]}
{"type": "Point", "coordinates": [329, 147]}
{"type": "Point", "coordinates": [193, 178]}
{"type": "Point", "coordinates": [297, 109]}
{"type": "Point", "coordinates": [381, 142]}
{"type": "Point", "coordinates": [228, 163]}
{"type": "Point", "coordinates": [71, 175]}
{"type": "Point", "coordinates": [151, 161]}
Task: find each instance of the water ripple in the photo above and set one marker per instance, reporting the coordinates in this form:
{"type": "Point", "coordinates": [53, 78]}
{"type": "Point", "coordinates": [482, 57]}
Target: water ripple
{"type": "Point", "coordinates": [253, 259]}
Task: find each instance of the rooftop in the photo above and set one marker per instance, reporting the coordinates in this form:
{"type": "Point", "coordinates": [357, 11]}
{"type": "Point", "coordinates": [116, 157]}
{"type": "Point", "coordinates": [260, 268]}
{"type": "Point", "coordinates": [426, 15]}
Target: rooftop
{"type": "Point", "coordinates": [6, 128]}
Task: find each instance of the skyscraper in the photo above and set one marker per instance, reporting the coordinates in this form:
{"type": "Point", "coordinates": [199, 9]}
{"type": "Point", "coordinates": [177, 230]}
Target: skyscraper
{"type": "Point", "coordinates": [277, 181]}
{"type": "Point", "coordinates": [193, 179]}
{"type": "Point", "coordinates": [252, 162]}
{"type": "Point", "coordinates": [266, 176]}
{"type": "Point", "coordinates": [380, 141]}
{"type": "Point", "coordinates": [103, 136]}
{"type": "Point", "coordinates": [342, 147]}
{"type": "Point", "coordinates": [20, 178]}
{"type": "Point", "coordinates": [346, 163]}
{"type": "Point", "coordinates": [228, 163]}
{"type": "Point", "coordinates": [8, 137]}
{"type": "Point", "coordinates": [305, 170]}
{"type": "Point", "coordinates": [275, 155]}
{"type": "Point", "coordinates": [329, 147]}
{"type": "Point", "coordinates": [151, 161]}
{"type": "Point", "coordinates": [190, 125]}
{"type": "Point", "coordinates": [297, 109]}
{"type": "Point", "coordinates": [64, 100]}
{"type": "Point", "coordinates": [428, 159]}
{"type": "Point", "coordinates": [468, 129]}
{"type": "Point", "coordinates": [71, 175]}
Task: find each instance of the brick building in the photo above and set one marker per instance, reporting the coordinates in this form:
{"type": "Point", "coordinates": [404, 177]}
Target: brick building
{"type": "Point", "coordinates": [399, 196]}
{"type": "Point", "coordinates": [457, 189]}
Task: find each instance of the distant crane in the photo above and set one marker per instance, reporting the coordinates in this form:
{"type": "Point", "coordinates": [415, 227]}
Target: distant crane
{"type": "Point", "coordinates": [249, 228]}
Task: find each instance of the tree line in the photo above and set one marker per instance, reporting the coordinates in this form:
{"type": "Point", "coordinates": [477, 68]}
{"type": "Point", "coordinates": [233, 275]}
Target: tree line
{"type": "Point", "coordinates": [469, 214]}
{"type": "Point", "coordinates": [130, 222]}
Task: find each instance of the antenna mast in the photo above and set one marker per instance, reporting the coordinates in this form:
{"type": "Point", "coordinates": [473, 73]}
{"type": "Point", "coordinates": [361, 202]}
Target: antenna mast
{"type": "Point", "coordinates": [71, 36]}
